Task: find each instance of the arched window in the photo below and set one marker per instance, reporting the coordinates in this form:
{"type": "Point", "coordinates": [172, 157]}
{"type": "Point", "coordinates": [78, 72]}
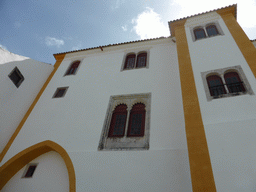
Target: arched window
{"type": "Point", "coordinates": [73, 68]}
{"type": "Point", "coordinates": [118, 121]}
{"type": "Point", "coordinates": [141, 60]}
{"type": "Point", "coordinates": [234, 82]}
{"type": "Point", "coordinates": [215, 85]}
{"type": "Point", "coordinates": [130, 61]}
{"type": "Point", "coordinates": [199, 33]}
{"type": "Point", "coordinates": [212, 30]}
{"type": "Point", "coordinates": [137, 121]}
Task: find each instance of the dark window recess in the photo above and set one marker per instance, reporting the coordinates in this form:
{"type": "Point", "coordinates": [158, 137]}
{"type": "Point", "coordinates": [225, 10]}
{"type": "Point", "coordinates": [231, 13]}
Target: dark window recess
{"type": "Point", "coordinates": [199, 33]}
{"type": "Point", "coordinates": [130, 61]}
{"type": "Point", "coordinates": [118, 121]}
{"type": "Point", "coordinates": [137, 121]}
{"type": "Point", "coordinates": [141, 60]}
{"type": "Point", "coordinates": [60, 92]}
{"type": "Point", "coordinates": [215, 85]}
{"type": "Point", "coordinates": [30, 171]}
{"type": "Point", "coordinates": [212, 30]}
{"type": "Point", "coordinates": [16, 77]}
{"type": "Point", "coordinates": [234, 83]}
{"type": "Point", "coordinates": [73, 68]}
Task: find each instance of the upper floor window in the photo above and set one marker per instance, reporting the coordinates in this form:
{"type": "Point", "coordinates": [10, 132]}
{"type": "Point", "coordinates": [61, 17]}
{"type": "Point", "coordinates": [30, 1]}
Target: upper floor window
{"type": "Point", "coordinates": [225, 82]}
{"type": "Point", "coordinates": [73, 68]}
{"type": "Point", "coordinates": [212, 30]}
{"type": "Point", "coordinates": [133, 60]}
{"type": "Point", "coordinates": [233, 82]}
{"type": "Point", "coordinates": [16, 77]}
{"type": "Point", "coordinates": [127, 123]}
{"type": "Point", "coordinates": [215, 85]}
{"type": "Point", "coordinates": [199, 33]}
{"type": "Point", "coordinates": [60, 92]}
{"type": "Point", "coordinates": [207, 30]}
{"type": "Point", "coordinates": [29, 171]}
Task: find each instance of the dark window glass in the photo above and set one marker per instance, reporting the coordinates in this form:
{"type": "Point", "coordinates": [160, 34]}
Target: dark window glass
{"type": "Point", "coordinates": [141, 60]}
{"type": "Point", "coordinates": [73, 68]}
{"type": "Point", "coordinates": [215, 85]}
{"type": "Point", "coordinates": [16, 77]}
{"type": "Point", "coordinates": [30, 171]}
{"type": "Point", "coordinates": [234, 82]}
{"type": "Point", "coordinates": [199, 33]}
{"type": "Point", "coordinates": [60, 92]}
{"type": "Point", "coordinates": [118, 121]}
{"type": "Point", "coordinates": [137, 121]}
{"type": "Point", "coordinates": [212, 30]}
{"type": "Point", "coordinates": [130, 61]}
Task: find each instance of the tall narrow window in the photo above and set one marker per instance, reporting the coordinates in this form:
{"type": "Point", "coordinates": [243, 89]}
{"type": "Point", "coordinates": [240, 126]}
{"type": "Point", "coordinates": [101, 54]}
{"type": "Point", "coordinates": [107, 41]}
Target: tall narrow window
{"type": "Point", "coordinates": [73, 68]}
{"type": "Point", "coordinates": [212, 30]}
{"type": "Point", "coordinates": [118, 121]}
{"type": "Point", "coordinates": [137, 121]}
{"type": "Point", "coordinates": [141, 60]}
{"type": "Point", "coordinates": [130, 61]}
{"type": "Point", "coordinates": [60, 92]}
{"type": "Point", "coordinates": [234, 82]}
{"type": "Point", "coordinates": [215, 85]}
{"type": "Point", "coordinates": [199, 33]}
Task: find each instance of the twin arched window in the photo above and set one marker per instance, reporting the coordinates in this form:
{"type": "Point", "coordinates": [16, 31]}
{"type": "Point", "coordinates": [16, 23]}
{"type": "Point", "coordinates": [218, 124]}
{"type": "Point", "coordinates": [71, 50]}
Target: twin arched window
{"type": "Point", "coordinates": [210, 29]}
{"type": "Point", "coordinates": [136, 123]}
{"type": "Point", "coordinates": [131, 61]}
{"type": "Point", "coordinates": [73, 68]}
{"type": "Point", "coordinates": [233, 84]}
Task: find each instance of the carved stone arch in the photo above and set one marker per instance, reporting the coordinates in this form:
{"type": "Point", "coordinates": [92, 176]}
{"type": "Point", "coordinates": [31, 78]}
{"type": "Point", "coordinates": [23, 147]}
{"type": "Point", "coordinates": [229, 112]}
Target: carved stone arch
{"type": "Point", "coordinates": [137, 101]}
{"type": "Point", "coordinates": [231, 70]}
{"type": "Point", "coordinates": [13, 165]}
{"type": "Point", "coordinates": [213, 73]}
{"type": "Point", "coordinates": [117, 104]}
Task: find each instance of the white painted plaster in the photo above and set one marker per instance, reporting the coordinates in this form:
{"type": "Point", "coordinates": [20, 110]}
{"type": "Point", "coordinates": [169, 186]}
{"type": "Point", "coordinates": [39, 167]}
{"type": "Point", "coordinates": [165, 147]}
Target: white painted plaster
{"type": "Point", "coordinates": [14, 102]}
{"type": "Point", "coordinates": [51, 174]}
{"type": "Point", "coordinates": [75, 121]}
{"type": "Point", "coordinates": [229, 122]}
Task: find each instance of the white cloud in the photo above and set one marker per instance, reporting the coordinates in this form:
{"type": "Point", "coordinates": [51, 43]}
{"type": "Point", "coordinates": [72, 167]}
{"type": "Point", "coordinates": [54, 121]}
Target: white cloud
{"type": "Point", "coordinates": [51, 41]}
{"type": "Point", "coordinates": [124, 28]}
{"type": "Point", "coordinates": [148, 24]}
{"type": "Point", "coordinates": [245, 8]}
{"type": "Point", "coordinates": [117, 4]}
{"type": "Point", "coordinates": [77, 47]}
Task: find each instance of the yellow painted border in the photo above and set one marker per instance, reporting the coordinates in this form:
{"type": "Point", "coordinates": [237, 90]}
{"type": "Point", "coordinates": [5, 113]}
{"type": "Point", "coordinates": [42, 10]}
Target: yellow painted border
{"type": "Point", "coordinates": [11, 167]}
{"type": "Point", "coordinates": [199, 157]}
{"type": "Point", "coordinates": [243, 42]}
{"type": "Point", "coordinates": [59, 59]}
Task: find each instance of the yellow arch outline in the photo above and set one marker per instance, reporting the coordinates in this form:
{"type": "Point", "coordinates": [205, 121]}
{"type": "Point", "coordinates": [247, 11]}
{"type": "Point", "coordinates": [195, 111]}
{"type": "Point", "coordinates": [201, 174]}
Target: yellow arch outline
{"type": "Point", "coordinates": [13, 165]}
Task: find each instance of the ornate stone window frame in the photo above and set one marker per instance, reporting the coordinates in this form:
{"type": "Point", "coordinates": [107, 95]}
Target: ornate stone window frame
{"type": "Point", "coordinates": [126, 143]}
{"type": "Point", "coordinates": [221, 72]}
{"type": "Point", "coordinates": [203, 26]}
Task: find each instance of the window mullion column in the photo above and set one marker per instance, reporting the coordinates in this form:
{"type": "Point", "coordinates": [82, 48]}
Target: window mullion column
{"type": "Point", "coordinates": [127, 121]}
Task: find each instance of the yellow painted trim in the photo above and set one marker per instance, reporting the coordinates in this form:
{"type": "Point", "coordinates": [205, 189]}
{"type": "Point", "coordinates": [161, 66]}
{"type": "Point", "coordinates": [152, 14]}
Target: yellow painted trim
{"type": "Point", "coordinates": [11, 167]}
{"type": "Point", "coordinates": [8, 145]}
{"type": "Point", "coordinates": [243, 42]}
{"type": "Point", "coordinates": [199, 158]}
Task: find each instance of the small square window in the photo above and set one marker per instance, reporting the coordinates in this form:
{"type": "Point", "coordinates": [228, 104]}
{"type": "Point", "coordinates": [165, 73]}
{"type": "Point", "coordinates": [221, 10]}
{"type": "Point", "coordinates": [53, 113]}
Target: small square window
{"type": "Point", "coordinates": [60, 92]}
{"type": "Point", "coordinates": [29, 171]}
{"type": "Point", "coordinates": [16, 77]}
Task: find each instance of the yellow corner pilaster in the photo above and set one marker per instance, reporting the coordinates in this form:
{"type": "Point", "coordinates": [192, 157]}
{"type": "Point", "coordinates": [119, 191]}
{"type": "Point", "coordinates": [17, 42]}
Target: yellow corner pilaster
{"type": "Point", "coordinates": [199, 158]}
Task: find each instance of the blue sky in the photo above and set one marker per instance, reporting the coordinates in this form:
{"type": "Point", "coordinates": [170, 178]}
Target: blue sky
{"type": "Point", "coordinates": [40, 28]}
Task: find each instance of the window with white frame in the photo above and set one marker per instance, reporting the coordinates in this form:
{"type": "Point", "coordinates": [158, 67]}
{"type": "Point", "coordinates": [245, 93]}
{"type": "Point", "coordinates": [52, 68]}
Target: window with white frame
{"type": "Point", "coordinates": [126, 125]}
{"type": "Point", "coordinates": [225, 82]}
{"type": "Point", "coordinates": [207, 30]}
{"type": "Point", "coordinates": [135, 60]}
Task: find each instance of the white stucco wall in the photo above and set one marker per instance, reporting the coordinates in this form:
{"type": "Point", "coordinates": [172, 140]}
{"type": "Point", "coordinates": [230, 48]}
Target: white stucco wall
{"type": "Point", "coordinates": [229, 122]}
{"type": "Point", "coordinates": [50, 175]}
{"type": "Point", "coordinates": [14, 102]}
{"type": "Point", "coordinates": [75, 122]}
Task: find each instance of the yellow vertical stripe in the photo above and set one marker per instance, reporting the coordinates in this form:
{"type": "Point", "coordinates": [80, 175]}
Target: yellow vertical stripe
{"type": "Point", "coordinates": [59, 59]}
{"type": "Point", "coordinates": [199, 158]}
{"type": "Point", "coordinates": [245, 45]}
